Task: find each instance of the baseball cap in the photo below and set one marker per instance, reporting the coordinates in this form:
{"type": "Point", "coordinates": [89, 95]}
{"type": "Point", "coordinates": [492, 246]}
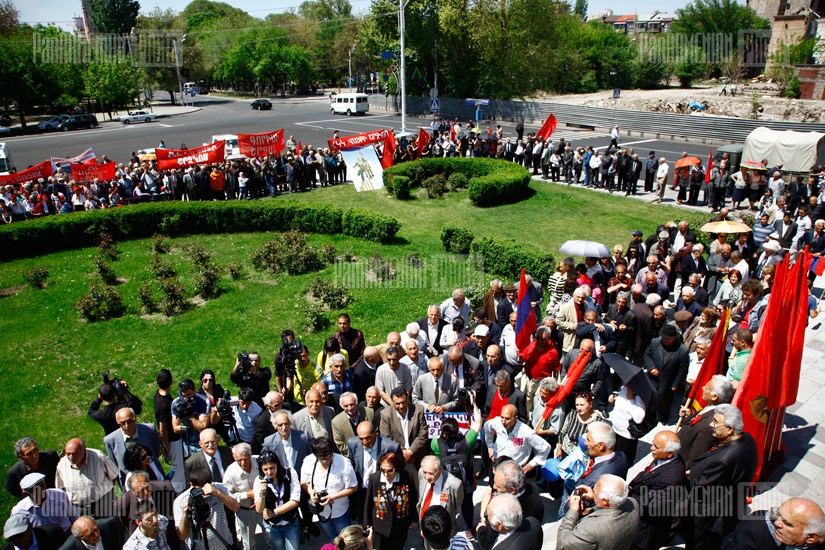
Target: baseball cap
{"type": "Point", "coordinates": [31, 480]}
{"type": "Point", "coordinates": [481, 330]}
{"type": "Point", "coordinates": [15, 525]}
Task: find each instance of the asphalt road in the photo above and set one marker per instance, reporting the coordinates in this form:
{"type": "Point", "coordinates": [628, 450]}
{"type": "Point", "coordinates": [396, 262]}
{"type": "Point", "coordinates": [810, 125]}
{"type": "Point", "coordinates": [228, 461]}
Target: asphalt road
{"type": "Point", "coordinates": [308, 119]}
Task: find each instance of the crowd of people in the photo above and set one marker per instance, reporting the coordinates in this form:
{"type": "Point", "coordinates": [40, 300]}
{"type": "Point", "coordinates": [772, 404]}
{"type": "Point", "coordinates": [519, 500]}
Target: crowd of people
{"type": "Point", "coordinates": [377, 439]}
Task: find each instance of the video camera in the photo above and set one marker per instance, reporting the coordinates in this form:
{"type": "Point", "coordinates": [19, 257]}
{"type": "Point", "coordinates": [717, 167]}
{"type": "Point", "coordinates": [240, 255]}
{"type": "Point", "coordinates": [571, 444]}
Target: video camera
{"type": "Point", "coordinates": [199, 509]}
{"type": "Point", "coordinates": [245, 363]}
{"type": "Point", "coordinates": [288, 353]}
{"type": "Point", "coordinates": [225, 409]}
{"type": "Point", "coordinates": [183, 408]}
{"type": "Point", "coordinates": [121, 388]}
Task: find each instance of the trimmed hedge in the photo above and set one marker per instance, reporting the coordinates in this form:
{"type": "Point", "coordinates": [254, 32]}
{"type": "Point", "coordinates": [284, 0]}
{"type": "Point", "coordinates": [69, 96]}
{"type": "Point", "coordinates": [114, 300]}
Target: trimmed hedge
{"type": "Point", "coordinates": [456, 239]}
{"type": "Point", "coordinates": [81, 229]}
{"type": "Point", "coordinates": [505, 258]}
{"type": "Point", "coordinates": [492, 182]}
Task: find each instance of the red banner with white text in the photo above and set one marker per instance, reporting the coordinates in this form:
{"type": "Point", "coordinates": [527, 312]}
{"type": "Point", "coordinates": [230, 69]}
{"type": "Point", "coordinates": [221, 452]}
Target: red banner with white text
{"type": "Point", "coordinates": [261, 145]}
{"type": "Point", "coordinates": [42, 170]}
{"type": "Point", "coordinates": [90, 172]}
{"type": "Point", "coordinates": [176, 158]}
{"type": "Point", "coordinates": [358, 140]}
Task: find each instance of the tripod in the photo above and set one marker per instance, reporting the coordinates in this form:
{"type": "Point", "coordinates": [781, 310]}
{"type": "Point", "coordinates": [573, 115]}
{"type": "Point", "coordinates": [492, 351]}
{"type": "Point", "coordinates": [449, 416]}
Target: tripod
{"type": "Point", "coordinates": [206, 526]}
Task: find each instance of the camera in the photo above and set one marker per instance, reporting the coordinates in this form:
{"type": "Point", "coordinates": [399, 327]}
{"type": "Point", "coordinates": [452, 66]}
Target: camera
{"type": "Point", "coordinates": [199, 509]}
{"type": "Point", "coordinates": [245, 363]}
{"type": "Point", "coordinates": [463, 393]}
{"type": "Point", "coordinates": [224, 409]}
{"type": "Point", "coordinates": [183, 408]}
{"type": "Point", "coordinates": [317, 508]}
{"type": "Point", "coordinates": [121, 388]}
{"type": "Point", "coordinates": [288, 353]}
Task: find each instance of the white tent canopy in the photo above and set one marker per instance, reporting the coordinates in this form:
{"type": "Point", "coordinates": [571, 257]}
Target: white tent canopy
{"type": "Point", "coordinates": [797, 151]}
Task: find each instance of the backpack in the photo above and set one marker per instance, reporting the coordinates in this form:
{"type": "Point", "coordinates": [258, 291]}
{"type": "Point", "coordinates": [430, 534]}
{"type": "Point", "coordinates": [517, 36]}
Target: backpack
{"type": "Point", "coordinates": [456, 461]}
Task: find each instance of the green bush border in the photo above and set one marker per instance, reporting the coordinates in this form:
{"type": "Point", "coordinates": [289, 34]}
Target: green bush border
{"type": "Point", "coordinates": [82, 229]}
{"type": "Point", "coordinates": [505, 258]}
{"type": "Point", "coordinates": [492, 181]}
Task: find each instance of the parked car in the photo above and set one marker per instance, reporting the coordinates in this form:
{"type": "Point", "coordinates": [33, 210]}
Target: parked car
{"type": "Point", "coordinates": [76, 122]}
{"type": "Point", "coordinates": [261, 105]}
{"type": "Point", "coordinates": [138, 116]}
{"type": "Point", "coordinates": [52, 123]}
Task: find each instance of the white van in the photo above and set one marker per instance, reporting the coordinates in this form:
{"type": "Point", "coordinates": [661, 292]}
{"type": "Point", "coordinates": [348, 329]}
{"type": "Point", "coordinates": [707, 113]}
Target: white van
{"type": "Point", "coordinates": [349, 104]}
{"type": "Point", "coordinates": [6, 164]}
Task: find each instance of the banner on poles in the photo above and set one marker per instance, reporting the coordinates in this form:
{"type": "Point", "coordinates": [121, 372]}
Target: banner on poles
{"type": "Point", "coordinates": [90, 172]}
{"type": "Point", "coordinates": [261, 145]}
{"type": "Point", "coordinates": [176, 158]}
{"type": "Point", "coordinates": [42, 170]}
{"type": "Point", "coordinates": [358, 140]}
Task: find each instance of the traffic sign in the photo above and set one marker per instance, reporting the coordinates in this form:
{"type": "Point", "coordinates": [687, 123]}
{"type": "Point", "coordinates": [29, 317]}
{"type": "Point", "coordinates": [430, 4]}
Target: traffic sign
{"type": "Point", "coordinates": [433, 105]}
{"type": "Point", "coordinates": [617, 93]}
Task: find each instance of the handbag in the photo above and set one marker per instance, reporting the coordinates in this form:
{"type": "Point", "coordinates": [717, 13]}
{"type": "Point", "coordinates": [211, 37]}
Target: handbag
{"type": "Point", "coordinates": [573, 465]}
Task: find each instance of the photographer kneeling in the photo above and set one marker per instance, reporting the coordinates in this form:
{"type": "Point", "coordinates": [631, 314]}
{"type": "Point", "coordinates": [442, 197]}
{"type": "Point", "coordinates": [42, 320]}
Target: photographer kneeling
{"type": "Point", "coordinates": [201, 507]}
{"type": "Point", "coordinates": [248, 373]}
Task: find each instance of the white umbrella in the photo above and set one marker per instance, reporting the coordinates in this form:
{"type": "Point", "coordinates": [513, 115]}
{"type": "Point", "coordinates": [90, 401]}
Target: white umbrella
{"type": "Point", "coordinates": [585, 249]}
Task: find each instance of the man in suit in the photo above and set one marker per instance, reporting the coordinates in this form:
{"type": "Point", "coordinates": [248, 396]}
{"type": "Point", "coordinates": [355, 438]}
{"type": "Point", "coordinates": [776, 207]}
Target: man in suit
{"type": "Point", "coordinates": [31, 460]}
{"type": "Point", "coordinates": [431, 327]}
{"type": "Point", "coordinates": [88, 532]}
{"type": "Point", "coordinates": [612, 523]}
{"type": "Point", "coordinates": [212, 457]}
{"type": "Point", "coordinates": [492, 298]}
{"type": "Point", "coordinates": [131, 433]}
{"type": "Point", "coordinates": [669, 374]}
{"type": "Point", "coordinates": [506, 306]}
{"type": "Point", "coordinates": [504, 517]}
{"type": "Point", "coordinates": [510, 479]}
{"type": "Point", "coordinates": [291, 445]}
{"type": "Point", "coordinates": [263, 426]}
{"type": "Point", "coordinates": [535, 294]}
{"type": "Point", "coordinates": [696, 436]}
{"type": "Point", "coordinates": [718, 266]}
{"type": "Point", "coordinates": [160, 493]}
{"type": "Point", "coordinates": [345, 423]}
{"type": "Point", "coordinates": [437, 487]}
{"type": "Point", "coordinates": [490, 365]}
{"type": "Point", "coordinates": [792, 528]}
{"type": "Point", "coordinates": [570, 314]}
{"type": "Point", "coordinates": [715, 478]}
{"type": "Point", "coordinates": [21, 535]}
{"type": "Point", "coordinates": [316, 419]}
{"type": "Point", "coordinates": [364, 450]}
{"type": "Point", "coordinates": [372, 401]}
{"type": "Point", "coordinates": [464, 368]}
{"type": "Point", "coordinates": [413, 441]}
{"type": "Point", "coordinates": [505, 394]}
{"type": "Point", "coordinates": [364, 371]}
{"type": "Point", "coordinates": [435, 391]}
{"type": "Point", "coordinates": [655, 489]}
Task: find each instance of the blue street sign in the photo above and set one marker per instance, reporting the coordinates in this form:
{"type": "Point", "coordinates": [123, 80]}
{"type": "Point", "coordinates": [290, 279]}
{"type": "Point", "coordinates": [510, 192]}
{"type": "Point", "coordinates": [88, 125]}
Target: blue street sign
{"type": "Point", "coordinates": [433, 105]}
{"type": "Point", "coordinates": [617, 93]}
{"type": "Point", "coordinates": [386, 54]}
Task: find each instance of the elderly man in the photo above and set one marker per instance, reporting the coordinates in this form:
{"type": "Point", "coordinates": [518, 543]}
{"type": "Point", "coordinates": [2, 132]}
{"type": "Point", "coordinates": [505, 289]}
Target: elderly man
{"type": "Point", "coordinates": [364, 371]}
{"type": "Point", "coordinates": [390, 375]}
{"type": "Point", "coordinates": [490, 365]}
{"type": "Point", "coordinates": [506, 435]}
{"type": "Point", "coordinates": [507, 528]}
{"type": "Point", "coordinates": [656, 490]}
{"type": "Point", "coordinates": [132, 433]}
{"type": "Point", "coordinates": [263, 428]}
{"type": "Point", "coordinates": [700, 295]}
{"type": "Point", "coordinates": [42, 506]}
{"type": "Point", "coordinates": [509, 348]}
{"type": "Point", "coordinates": [541, 359]}
{"type": "Point", "coordinates": [405, 424]}
{"type": "Point", "coordinates": [213, 457]}
{"type": "Point", "coordinates": [623, 322]}
{"type": "Point", "coordinates": [22, 536]}
{"type": "Point", "coordinates": [687, 302]}
{"type": "Point", "coordinates": [438, 488]}
{"type": "Point", "coordinates": [345, 423]}
{"type": "Point", "coordinates": [592, 379]}
{"type": "Point", "coordinates": [569, 316]}
{"type": "Point", "coordinates": [547, 429]}
{"type": "Point", "coordinates": [653, 266]}
{"type": "Point", "coordinates": [30, 460]}
{"type": "Point", "coordinates": [373, 401]}
{"type": "Point", "coordinates": [239, 480]}
{"type": "Point", "coordinates": [504, 394]}
{"type": "Point", "coordinates": [492, 297]}
{"type": "Point", "coordinates": [413, 332]}
{"type": "Point", "coordinates": [510, 479]}
{"type": "Point", "coordinates": [456, 306]}
{"type": "Point", "coordinates": [364, 450]}
{"type": "Point", "coordinates": [717, 475]}
{"type": "Point", "coordinates": [666, 362]}
{"type": "Point", "coordinates": [100, 534]}
{"type": "Point", "coordinates": [161, 494]}
{"type": "Point", "coordinates": [431, 327]}
{"type": "Point", "coordinates": [718, 266]}
{"type": "Point", "coordinates": [612, 523]}
{"type": "Point", "coordinates": [478, 341]}
{"type": "Point", "coordinates": [87, 476]}
{"type": "Point", "coordinates": [316, 419]}
{"type": "Point", "coordinates": [435, 391]}
{"type": "Point", "coordinates": [797, 523]}
{"type": "Point", "coordinates": [696, 436]}
{"type": "Point", "coordinates": [218, 499]}
{"type": "Point", "coordinates": [339, 380]}
{"type": "Point", "coordinates": [465, 368]}
{"type": "Point", "coordinates": [291, 445]}
{"type": "Point", "coordinates": [415, 361]}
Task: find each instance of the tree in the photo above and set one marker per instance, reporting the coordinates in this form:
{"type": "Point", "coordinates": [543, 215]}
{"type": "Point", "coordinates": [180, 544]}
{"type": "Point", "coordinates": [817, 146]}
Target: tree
{"type": "Point", "coordinates": [114, 16]}
{"type": "Point", "coordinates": [782, 63]}
{"type": "Point", "coordinates": [717, 16]}
{"type": "Point", "coordinates": [110, 84]}
{"type": "Point", "coordinates": [691, 64]}
{"type": "Point", "coordinates": [9, 17]}
{"type": "Point", "coordinates": [581, 9]}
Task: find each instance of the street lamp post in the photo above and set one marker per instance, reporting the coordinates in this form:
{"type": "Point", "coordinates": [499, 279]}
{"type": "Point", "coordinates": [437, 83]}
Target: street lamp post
{"type": "Point", "coordinates": [175, 44]}
{"type": "Point", "coordinates": [401, 5]}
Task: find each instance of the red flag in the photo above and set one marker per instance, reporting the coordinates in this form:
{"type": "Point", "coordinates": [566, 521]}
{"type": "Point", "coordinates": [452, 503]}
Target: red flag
{"type": "Point", "coordinates": [818, 265]}
{"type": "Point", "coordinates": [299, 148]}
{"type": "Point", "coordinates": [566, 387]}
{"type": "Point", "coordinates": [548, 127]}
{"type": "Point", "coordinates": [525, 320]}
{"type": "Point", "coordinates": [715, 363]}
{"type": "Point", "coordinates": [710, 166]}
{"type": "Point", "coordinates": [771, 378]}
{"type": "Point", "coordinates": [389, 150]}
{"type": "Point", "coordinates": [423, 140]}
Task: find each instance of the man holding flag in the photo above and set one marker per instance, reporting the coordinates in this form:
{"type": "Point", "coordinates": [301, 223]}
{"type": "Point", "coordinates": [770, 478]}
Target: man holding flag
{"type": "Point", "coordinates": [696, 435]}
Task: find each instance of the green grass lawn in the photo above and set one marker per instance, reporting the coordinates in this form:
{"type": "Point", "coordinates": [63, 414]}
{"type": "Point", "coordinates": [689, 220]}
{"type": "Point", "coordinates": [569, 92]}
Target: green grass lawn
{"type": "Point", "coordinates": [52, 360]}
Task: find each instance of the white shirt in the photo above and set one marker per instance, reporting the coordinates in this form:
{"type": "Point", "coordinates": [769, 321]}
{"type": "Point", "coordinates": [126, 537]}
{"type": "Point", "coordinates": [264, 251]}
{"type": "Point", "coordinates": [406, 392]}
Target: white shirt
{"type": "Point", "coordinates": [624, 410]}
{"type": "Point", "coordinates": [416, 369]}
{"type": "Point", "coordinates": [239, 481]}
{"type": "Point", "coordinates": [518, 444]}
{"type": "Point", "coordinates": [662, 171]}
{"type": "Point", "coordinates": [370, 464]}
{"type": "Point", "coordinates": [341, 477]}
{"type": "Point", "coordinates": [435, 499]}
{"type": "Point", "coordinates": [405, 424]}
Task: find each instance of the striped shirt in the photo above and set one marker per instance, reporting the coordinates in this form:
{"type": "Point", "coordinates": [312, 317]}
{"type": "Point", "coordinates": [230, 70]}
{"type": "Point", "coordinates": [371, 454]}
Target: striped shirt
{"type": "Point", "coordinates": [90, 483]}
